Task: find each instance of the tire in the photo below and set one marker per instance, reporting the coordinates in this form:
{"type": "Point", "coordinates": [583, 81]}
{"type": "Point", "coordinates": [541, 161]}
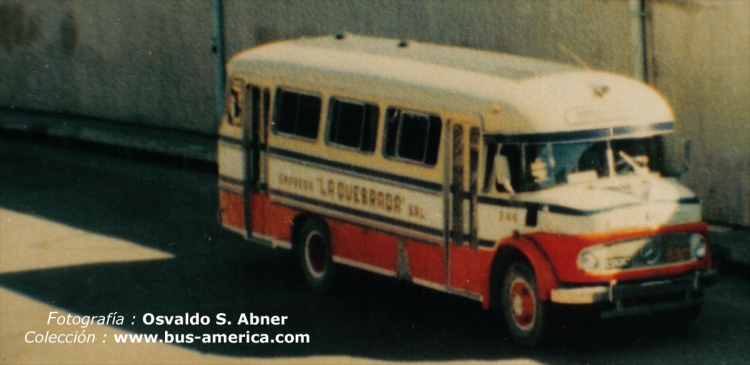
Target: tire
{"type": "Point", "coordinates": [522, 310]}
{"type": "Point", "coordinates": [313, 244]}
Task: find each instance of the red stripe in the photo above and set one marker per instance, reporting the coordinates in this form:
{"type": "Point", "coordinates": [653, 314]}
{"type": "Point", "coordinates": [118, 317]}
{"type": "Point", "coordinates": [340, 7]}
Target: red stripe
{"type": "Point", "coordinates": [232, 210]}
{"type": "Point", "coordinates": [261, 221]}
{"type": "Point", "coordinates": [426, 261]}
{"type": "Point", "coordinates": [546, 279]}
{"type": "Point", "coordinates": [563, 251]}
{"type": "Point", "coordinates": [552, 255]}
{"type": "Point", "coordinates": [470, 270]}
{"type": "Point", "coordinates": [364, 245]}
{"type": "Point", "coordinates": [354, 242]}
{"type": "Point", "coordinates": [272, 220]}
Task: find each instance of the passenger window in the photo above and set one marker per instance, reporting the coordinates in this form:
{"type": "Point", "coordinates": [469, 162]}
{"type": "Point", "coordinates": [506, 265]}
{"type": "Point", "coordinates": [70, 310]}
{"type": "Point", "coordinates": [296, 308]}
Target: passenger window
{"type": "Point", "coordinates": [413, 136]}
{"type": "Point", "coordinates": [298, 114]}
{"type": "Point", "coordinates": [353, 124]}
{"type": "Point", "coordinates": [234, 102]}
{"type": "Point", "coordinates": [494, 179]}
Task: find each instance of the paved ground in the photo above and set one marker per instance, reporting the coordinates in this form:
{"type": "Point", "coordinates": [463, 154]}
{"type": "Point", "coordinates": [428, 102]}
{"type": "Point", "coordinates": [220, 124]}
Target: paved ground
{"type": "Point", "coordinates": [92, 232]}
{"type": "Point", "coordinates": [732, 246]}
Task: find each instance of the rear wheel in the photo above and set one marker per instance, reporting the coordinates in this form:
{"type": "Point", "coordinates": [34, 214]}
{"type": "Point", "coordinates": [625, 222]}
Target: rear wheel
{"type": "Point", "coordinates": [521, 307]}
{"type": "Point", "coordinates": [314, 249]}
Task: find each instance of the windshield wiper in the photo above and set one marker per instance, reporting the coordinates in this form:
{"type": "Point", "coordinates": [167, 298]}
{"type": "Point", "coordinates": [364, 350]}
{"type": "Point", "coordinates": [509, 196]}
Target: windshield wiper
{"type": "Point", "coordinates": [639, 163]}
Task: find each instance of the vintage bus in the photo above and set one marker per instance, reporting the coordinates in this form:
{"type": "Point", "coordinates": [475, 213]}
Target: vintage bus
{"type": "Point", "coordinates": [508, 180]}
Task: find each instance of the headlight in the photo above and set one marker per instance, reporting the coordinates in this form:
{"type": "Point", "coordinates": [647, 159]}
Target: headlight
{"type": "Point", "coordinates": [587, 261]}
{"type": "Point", "coordinates": [698, 245]}
{"type": "Point", "coordinates": [650, 253]}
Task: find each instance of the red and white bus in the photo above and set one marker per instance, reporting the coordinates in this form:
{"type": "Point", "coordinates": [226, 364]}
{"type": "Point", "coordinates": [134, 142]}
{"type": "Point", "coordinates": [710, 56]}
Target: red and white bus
{"type": "Point", "coordinates": [508, 180]}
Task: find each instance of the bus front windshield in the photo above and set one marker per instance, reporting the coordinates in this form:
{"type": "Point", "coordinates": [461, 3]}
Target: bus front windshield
{"type": "Point", "coordinates": [541, 166]}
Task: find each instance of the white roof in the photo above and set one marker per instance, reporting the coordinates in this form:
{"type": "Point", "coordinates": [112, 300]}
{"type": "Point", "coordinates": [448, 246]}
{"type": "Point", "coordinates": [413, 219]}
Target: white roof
{"type": "Point", "coordinates": [514, 95]}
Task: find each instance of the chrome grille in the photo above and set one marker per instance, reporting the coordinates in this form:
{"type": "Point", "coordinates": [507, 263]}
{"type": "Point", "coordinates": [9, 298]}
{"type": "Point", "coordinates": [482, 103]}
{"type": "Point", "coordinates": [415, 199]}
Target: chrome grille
{"type": "Point", "coordinates": [654, 251]}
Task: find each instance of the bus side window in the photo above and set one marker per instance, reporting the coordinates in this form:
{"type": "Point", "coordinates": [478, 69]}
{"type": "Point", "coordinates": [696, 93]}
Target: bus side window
{"type": "Point", "coordinates": [412, 136]}
{"type": "Point", "coordinates": [234, 102]}
{"type": "Point", "coordinates": [489, 168]}
{"type": "Point", "coordinates": [297, 114]}
{"type": "Point", "coordinates": [353, 124]}
{"type": "Point", "coordinates": [512, 154]}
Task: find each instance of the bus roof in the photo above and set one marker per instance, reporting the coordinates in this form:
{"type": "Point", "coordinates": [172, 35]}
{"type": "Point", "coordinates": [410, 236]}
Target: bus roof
{"type": "Point", "coordinates": [515, 96]}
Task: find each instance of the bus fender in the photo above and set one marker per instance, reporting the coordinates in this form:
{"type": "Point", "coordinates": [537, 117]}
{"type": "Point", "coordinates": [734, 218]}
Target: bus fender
{"type": "Point", "coordinates": [543, 269]}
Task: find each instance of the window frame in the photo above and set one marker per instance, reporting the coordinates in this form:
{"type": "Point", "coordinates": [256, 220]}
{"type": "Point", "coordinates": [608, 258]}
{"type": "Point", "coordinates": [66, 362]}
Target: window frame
{"type": "Point", "coordinates": [234, 101]}
{"type": "Point", "coordinates": [329, 124]}
{"type": "Point", "coordinates": [386, 135]}
{"type": "Point", "coordinates": [277, 100]}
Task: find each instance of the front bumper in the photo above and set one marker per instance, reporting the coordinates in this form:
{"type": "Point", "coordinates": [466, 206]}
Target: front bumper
{"type": "Point", "coordinates": [642, 297]}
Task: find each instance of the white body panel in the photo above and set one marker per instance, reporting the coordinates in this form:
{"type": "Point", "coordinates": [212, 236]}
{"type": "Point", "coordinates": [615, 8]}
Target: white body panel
{"type": "Point", "coordinates": [358, 196]}
{"type": "Point", "coordinates": [231, 161]}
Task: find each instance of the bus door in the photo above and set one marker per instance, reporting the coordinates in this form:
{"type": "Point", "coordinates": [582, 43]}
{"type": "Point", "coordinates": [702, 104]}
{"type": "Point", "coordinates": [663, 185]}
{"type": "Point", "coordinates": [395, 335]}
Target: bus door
{"type": "Point", "coordinates": [462, 182]}
{"type": "Point", "coordinates": [238, 157]}
{"type": "Point", "coordinates": [255, 134]}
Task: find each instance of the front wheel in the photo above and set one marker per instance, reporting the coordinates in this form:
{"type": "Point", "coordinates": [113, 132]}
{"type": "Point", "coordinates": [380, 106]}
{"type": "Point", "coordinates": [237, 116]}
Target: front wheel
{"type": "Point", "coordinates": [522, 309]}
{"type": "Point", "coordinates": [314, 249]}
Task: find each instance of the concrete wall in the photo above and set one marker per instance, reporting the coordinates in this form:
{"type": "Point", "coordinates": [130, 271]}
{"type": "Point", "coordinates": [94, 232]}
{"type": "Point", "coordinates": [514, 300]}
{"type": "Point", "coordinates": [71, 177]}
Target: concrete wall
{"type": "Point", "coordinates": [134, 61]}
{"type": "Point", "coordinates": [702, 58]}
{"type": "Point", "coordinates": [150, 62]}
{"type": "Point", "coordinates": [597, 31]}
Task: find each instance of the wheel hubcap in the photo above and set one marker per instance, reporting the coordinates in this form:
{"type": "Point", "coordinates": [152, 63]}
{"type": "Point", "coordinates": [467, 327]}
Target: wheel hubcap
{"type": "Point", "coordinates": [522, 304]}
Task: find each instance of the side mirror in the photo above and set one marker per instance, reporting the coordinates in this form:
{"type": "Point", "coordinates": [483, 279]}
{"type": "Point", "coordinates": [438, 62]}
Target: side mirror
{"type": "Point", "coordinates": [677, 153]}
{"type": "Point", "coordinates": [502, 172]}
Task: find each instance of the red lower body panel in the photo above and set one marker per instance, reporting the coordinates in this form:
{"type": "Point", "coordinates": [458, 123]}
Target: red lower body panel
{"type": "Point", "coordinates": [232, 210]}
{"type": "Point", "coordinates": [564, 249]}
{"type": "Point", "coordinates": [363, 245]}
{"type": "Point", "coordinates": [272, 220]}
{"type": "Point", "coordinates": [470, 271]}
{"type": "Point", "coordinates": [426, 261]}
{"type": "Point", "coordinates": [373, 248]}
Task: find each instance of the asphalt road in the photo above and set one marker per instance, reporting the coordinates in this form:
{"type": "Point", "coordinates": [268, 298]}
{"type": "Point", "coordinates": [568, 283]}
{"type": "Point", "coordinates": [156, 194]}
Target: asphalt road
{"type": "Point", "coordinates": [170, 206]}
